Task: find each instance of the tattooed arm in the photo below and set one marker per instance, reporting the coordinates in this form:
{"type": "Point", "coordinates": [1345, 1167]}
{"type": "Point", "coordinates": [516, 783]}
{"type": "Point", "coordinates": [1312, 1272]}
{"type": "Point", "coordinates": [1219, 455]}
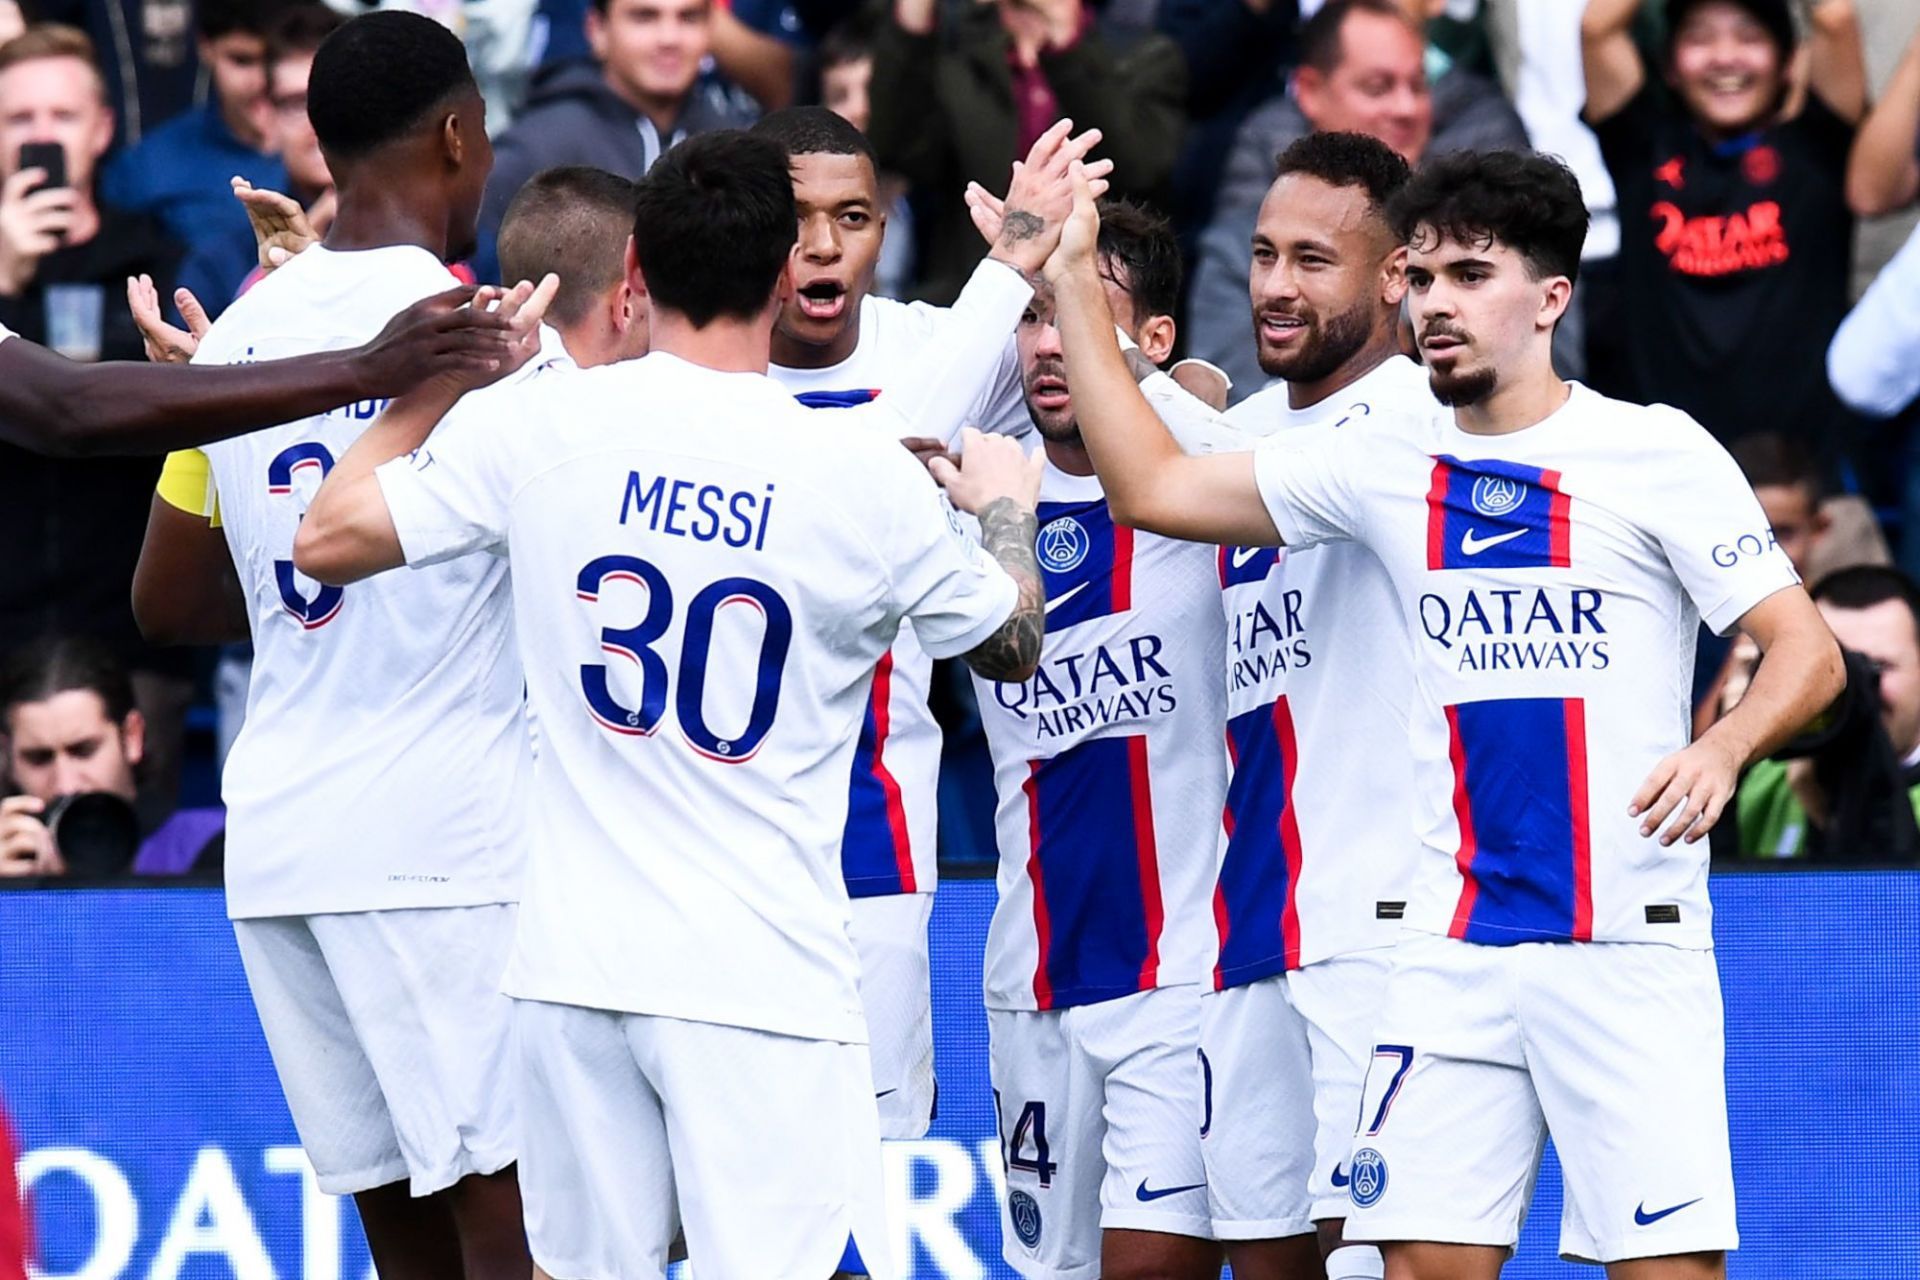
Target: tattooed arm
{"type": "Point", "coordinates": [1011, 653]}
{"type": "Point", "coordinates": [1000, 485]}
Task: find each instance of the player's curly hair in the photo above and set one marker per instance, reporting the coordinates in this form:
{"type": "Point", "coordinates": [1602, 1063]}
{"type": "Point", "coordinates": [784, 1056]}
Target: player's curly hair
{"type": "Point", "coordinates": [1530, 203]}
{"type": "Point", "coordinates": [379, 76]}
{"type": "Point", "coordinates": [1347, 160]}
{"type": "Point", "coordinates": [714, 225]}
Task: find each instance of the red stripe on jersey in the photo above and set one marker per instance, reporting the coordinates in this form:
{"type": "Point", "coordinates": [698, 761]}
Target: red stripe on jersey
{"type": "Point", "coordinates": [1437, 516]}
{"type": "Point", "coordinates": [1222, 926]}
{"type": "Point", "coordinates": [1042, 924]}
{"type": "Point", "coordinates": [1220, 560]}
{"type": "Point", "coordinates": [1146, 848]}
{"type": "Point", "coordinates": [1463, 814]}
{"type": "Point", "coordinates": [1122, 568]}
{"type": "Point", "coordinates": [1559, 523]}
{"type": "Point", "coordinates": [1577, 804]}
{"type": "Point", "coordinates": [889, 785]}
{"type": "Point", "coordinates": [1289, 833]}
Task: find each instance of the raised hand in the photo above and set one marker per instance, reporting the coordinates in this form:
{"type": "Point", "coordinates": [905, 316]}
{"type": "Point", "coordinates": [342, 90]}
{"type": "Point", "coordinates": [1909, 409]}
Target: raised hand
{"type": "Point", "coordinates": [1025, 226]}
{"type": "Point", "coordinates": [1080, 234]}
{"type": "Point", "coordinates": [280, 225]}
{"type": "Point", "coordinates": [165, 343]}
{"type": "Point", "coordinates": [991, 468]}
{"type": "Point", "coordinates": [438, 337]}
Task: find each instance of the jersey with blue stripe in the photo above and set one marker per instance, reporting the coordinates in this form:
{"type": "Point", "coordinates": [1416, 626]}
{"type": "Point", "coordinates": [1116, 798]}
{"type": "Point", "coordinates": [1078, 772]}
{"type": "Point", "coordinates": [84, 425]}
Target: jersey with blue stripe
{"type": "Point", "coordinates": [1108, 765]}
{"type": "Point", "coordinates": [1552, 581]}
{"type": "Point", "coordinates": [1317, 846]}
{"type": "Point", "coordinates": [891, 837]}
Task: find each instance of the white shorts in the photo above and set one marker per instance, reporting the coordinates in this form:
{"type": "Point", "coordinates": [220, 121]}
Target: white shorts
{"type": "Point", "coordinates": [1256, 1129]}
{"type": "Point", "coordinates": [1100, 1109]}
{"type": "Point", "coordinates": [389, 1034]}
{"type": "Point", "coordinates": [765, 1147]}
{"type": "Point", "coordinates": [896, 987]}
{"type": "Point", "coordinates": [1617, 1049]}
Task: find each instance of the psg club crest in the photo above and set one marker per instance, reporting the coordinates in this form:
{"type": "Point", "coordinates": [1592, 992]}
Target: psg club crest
{"type": "Point", "coordinates": [1497, 495]}
{"type": "Point", "coordinates": [1369, 1177]}
{"type": "Point", "coordinates": [1062, 545]}
{"type": "Point", "coordinates": [1025, 1212]}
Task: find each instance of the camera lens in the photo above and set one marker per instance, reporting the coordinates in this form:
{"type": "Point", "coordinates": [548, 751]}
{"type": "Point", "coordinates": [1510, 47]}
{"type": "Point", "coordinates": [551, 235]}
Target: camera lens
{"type": "Point", "coordinates": [97, 833]}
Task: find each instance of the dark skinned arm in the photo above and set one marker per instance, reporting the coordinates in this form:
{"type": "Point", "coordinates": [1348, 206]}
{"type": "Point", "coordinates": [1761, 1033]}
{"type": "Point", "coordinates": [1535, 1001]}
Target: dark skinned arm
{"type": "Point", "coordinates": [185, 590]}
{"type": "Point", "coordinates": [51, 405]}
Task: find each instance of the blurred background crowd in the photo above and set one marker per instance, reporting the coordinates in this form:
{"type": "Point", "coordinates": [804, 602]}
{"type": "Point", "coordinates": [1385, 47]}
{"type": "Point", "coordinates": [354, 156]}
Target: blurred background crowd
{"type": "Point", "coordinates": [1752, 168]}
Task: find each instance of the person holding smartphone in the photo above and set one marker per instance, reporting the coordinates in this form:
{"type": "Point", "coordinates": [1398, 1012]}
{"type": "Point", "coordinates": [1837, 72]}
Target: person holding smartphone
{"type": "Point", "coordinates": [75, 525]}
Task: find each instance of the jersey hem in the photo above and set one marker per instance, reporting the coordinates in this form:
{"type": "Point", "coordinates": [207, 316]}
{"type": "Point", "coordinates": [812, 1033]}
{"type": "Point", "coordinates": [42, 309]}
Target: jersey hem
{"type": "Point", "coordinates": [271, 909]}
{"type": "Point", "coordinates": [1691, 939]}
{"type": "Point", "coordinates": [850, 1030]}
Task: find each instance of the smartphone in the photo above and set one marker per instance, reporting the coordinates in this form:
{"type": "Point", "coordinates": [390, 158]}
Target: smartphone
{"type": "Point", "coordinates": [50, 156]}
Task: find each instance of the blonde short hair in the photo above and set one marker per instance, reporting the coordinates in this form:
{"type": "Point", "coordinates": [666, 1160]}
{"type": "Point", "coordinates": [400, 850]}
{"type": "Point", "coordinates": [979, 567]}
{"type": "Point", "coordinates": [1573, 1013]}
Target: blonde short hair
{"type": "Point", "coordinates": [53, 40]}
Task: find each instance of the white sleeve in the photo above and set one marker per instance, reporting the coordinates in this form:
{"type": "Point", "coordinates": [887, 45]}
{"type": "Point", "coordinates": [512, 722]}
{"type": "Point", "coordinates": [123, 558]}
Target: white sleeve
{"type": "Point", "coordinates": [968, 370]}
{"type": "Point", "coordinates": [6, 333]}
{"type": "Point", "coordinates": [1306, 480]}
{"type": "Point", "coordinates": [955, 593]}
{"type": "Point", "coordinates": [1874, 361]}
{"type": "Point", "coordinates": [1711, 527]}
{"type": "Point", "coordinates": [450, 496]}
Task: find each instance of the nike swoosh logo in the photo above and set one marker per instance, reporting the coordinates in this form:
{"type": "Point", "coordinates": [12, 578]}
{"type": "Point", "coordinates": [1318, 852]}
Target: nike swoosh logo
{"type": "Point", "coordinates": [1472, 546]}
{"type": "Point", "coordinates": [1243, 554]}
{"type": "Point", "coordinates": [1147, 1194]}
{"type": "Point", "coordinates": [1059, 600]}
{"type": "Point", "coordinates": [883, 1093]}
{"type": "Point", "coordinates": [1644, 1219]}
{"type": "Point", "coordinates": [1340, 1178]}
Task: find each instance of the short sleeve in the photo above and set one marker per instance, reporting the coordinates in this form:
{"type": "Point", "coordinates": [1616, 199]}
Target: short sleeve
{"type": "Point", "coordinates": [1711, 527]}
{"type": "Point", "coordinates": [450, 496]}
{"type": "Point", "coordinates": [1306, 481]}
{"type": "Point", "coordinates": [954, 592]}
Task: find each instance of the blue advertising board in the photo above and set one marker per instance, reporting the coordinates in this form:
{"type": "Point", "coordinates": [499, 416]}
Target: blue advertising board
{"type": "Point", "coordinates": [156, 1143]}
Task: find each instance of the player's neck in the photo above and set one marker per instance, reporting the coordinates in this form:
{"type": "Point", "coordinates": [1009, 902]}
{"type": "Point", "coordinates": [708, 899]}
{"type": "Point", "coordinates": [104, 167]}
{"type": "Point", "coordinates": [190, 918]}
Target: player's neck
{"type": "Point", "coordinates": [1070, 456]}
{"type": "Point", "coordinates": [1516, 405]}
{"type": "Point", "coordinates": [791, 353]}
{"type": "Point", "coordinates": [382, 215]}
{"type": "Point", "coordinates": [1382, 347]}
{"type": "Point", "coordinates": [726, 344]}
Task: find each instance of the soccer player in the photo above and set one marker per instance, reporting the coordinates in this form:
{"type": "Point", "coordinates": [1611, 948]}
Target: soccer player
{"type": "Point", "coordinates": [702, 593]}
{"type": "Point", "coordinates": [375, 792]}
{"type": "Point", "coordinates": [1552, 551]}
{"type": "Point", "coordinates": [1110, 778]}
{"type": "Point", "coordinates": [836, 345]}
{"type": "Point", "coordinates": [52, 405]}
{"type": "Point", "coordinates": [1318, 846]}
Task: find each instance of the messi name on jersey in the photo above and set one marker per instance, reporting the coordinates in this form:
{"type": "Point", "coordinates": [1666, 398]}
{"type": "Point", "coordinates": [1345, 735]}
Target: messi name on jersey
{"type": "Point", "coordinates": [693, 509]}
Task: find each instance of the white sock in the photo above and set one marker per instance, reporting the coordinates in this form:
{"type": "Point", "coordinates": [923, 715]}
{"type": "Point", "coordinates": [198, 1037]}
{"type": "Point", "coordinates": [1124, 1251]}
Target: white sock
{"type": "Point", "coordinates": [1356, 1262]}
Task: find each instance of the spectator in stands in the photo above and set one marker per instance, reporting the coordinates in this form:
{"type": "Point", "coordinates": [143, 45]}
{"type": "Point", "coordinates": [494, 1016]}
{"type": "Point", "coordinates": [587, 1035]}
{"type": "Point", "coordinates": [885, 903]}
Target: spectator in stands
{"type": "Point", "coordinates": [72, 528]}
{"type": "Point", "coordinates": [291, 44]}
{"type": "Point", "coordinates": [1363, 69]}
{"type": "Point", "coordinates": [641, 95]}
{"type": "Point", "coordinates": [1883, 171]}
{"type": "Point", "coordinates": [72, 731]}
{"type": "Point", "coordinates": [147, 54]}
{"type": "Point", "coordinates": [846, 79]}
{"type": "Point", "coordinates": [961, 103]}
{"type": "Point", "coordinates": [1735, 233]}
{"type": "Point", "coordinates": [181, 172]}
{"type": "Point", "coordinates": [1848, 790]}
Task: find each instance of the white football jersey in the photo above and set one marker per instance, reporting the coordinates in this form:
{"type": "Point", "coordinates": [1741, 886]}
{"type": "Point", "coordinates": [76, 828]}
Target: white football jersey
{"type": "Point", "coordinates": [1108, 764]}
{"type": "Point", "coordinates": [702, 592]}
{"type": "Point", "coordinates": [1317, 845]}
{"type": "Point", "coordinates": [909, 351]}
{"type": "Point", "coordinates": [1552, 581]}
{"type": "Point", "coordinates": [382, 763]}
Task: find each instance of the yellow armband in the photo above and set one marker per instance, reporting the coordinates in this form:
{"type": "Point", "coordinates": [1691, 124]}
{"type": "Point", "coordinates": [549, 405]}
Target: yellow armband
{"type": "Point", "coordinates": [186, 482]}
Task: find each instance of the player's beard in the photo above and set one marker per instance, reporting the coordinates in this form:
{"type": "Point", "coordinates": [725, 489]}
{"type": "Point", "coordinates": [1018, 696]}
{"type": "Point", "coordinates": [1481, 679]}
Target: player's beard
{"type": "Point", "coordinates": [1328, 344]}
{"type": "Point", "coordinates": [1057, 426]}
{"type": "Point", "coordinates": [1461, 387]}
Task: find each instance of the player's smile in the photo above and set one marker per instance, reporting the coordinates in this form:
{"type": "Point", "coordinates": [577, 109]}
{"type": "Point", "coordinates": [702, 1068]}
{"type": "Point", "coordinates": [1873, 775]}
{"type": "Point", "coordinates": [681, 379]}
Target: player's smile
{"type": "Point", "coordinates": [1283, 328]}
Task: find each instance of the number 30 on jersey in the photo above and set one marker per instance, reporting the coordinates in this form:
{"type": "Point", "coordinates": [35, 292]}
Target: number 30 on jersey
{"type": "Point", "coordinates": [688, 684]}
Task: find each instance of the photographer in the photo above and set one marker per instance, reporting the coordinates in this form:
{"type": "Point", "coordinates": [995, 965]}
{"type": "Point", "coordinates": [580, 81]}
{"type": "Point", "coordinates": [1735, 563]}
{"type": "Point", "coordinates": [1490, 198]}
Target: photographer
{"type": "Point", "coordinates": [1848, 788]}
{"type": "Point", "coordinates": [73, 742]}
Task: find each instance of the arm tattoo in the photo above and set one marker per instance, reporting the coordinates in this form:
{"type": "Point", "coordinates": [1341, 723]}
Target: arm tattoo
{"type": "Point", "coordinates": [1018, 225]}
{"type": "Point", "coordinates": [1010, 653]}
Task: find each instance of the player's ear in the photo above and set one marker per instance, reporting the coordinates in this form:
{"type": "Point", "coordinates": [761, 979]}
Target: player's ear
{"type": "Point", "coordinates": [635, 280]}
{"type": "Point", "coordinates": [1555, 297]}
{"type": "Point", "coordinates": [451, 143]}
{"type": "Point", "coordinates": [1393, 276]}
{"type": "Point", "coordinates": [1156, 338]}
{"type": "Point", "coordinates": [133, 737]}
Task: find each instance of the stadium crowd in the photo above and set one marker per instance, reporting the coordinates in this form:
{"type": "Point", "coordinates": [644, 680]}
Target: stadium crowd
{"type": "Point", "coordinates": [1748, 166]}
